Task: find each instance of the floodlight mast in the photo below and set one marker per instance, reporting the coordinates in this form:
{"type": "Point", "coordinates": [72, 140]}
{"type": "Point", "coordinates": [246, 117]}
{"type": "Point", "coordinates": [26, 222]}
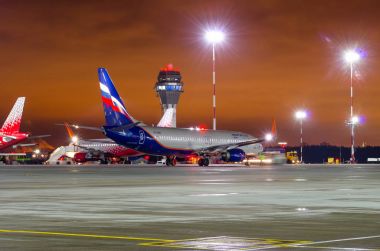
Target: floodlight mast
{"type": "Point", "coordinates": [351, 57]}
{"type": "Point", "coordinates": [214, 37]}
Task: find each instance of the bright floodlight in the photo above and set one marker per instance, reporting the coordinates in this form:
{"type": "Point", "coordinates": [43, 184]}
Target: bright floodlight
{"type": "Point", "coordinates": [300, 115]}
{"type": "Point", "coordinates": [268, 137]}
{"type": "Point", "coordinates": [214, 36]}
{"type": "Point", "coordinates": [351, 56]}
{"type": "Point", "coordinates": [74, 139]}
{"type": "Point", "coordinates": [355, 120]}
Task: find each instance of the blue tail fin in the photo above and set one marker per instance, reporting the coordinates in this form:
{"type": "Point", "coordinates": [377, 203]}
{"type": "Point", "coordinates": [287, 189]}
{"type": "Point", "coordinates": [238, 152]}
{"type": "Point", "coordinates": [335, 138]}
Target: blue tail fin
{"type": "Point", "coordinates": [114, 109]}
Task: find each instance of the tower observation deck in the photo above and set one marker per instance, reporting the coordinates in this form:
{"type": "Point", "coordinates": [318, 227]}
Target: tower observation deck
{"type": "Point", "coordinates": [169, 87]}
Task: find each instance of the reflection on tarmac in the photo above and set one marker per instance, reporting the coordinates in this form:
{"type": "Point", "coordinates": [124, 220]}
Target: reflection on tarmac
{"type": "Point", "coordinates": [114, 208]}
{"type": "Point", "coordinates": [220, 243]}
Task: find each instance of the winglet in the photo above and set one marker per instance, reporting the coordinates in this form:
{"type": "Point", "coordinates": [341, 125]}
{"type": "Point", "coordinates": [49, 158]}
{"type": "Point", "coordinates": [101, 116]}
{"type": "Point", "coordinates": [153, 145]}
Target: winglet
{"type": "Point", "coordinates": [69, 130]}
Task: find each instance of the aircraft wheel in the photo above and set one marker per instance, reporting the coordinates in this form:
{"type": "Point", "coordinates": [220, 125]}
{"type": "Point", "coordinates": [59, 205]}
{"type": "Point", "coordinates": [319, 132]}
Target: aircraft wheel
{"type": "Point", "coordinates": [171, 161]}
{"type": "Point", "coordinates": [201, 162]}
{"type": "Point", "coordinates": [206, 162]}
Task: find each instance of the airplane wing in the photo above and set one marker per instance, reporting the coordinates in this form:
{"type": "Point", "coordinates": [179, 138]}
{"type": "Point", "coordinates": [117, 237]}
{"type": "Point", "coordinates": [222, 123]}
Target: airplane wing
{"type": "Point", "coordinates": [79, 142]}
{"type": "Point", "coordinates": [213, 150]}
{"type": "Point", "coordinates": [104, 140]}
{"type": "Point", "coordinates": [100, 129]}
{"type": "Point", "coordinates": [25, 145]}
{"type": "Point", "coordinates": [82, 127]}
{"type": "Point", "coordinates": [12, 154]}
{"type": "Point", "coordinates": [125, 127]}
{"type": "Point", "coordinates": [39, 136]}
{"type": "Point", "coordinates": [166, 121]}
{"type": "Point", "coordinates": [30, 138]}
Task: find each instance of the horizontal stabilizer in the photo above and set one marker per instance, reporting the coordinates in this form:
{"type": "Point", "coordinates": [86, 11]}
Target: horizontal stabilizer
{"type": "Point", "coordinates": [39, 136]}
{"type": "Point", "coordinates": [25, 145]}
{"type": "Point", "coordinates": [125, 127]}
{"type": "Point", "coordinates": [82, 127]}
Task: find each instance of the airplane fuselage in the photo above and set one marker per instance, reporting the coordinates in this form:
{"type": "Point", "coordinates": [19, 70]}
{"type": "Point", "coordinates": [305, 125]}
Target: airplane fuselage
{"type": "Point", "coordinates": [9, 139]}
{"type": "Point", "coordinates": [111, 148]}
{"type": "Point", "coordinates": [176, 141]}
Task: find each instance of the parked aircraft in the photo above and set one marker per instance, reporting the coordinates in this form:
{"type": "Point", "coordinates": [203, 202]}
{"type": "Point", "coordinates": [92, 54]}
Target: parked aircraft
{"type": "Point", "coordinates": [83, 150]}
{"type": "Point", "coordinates": [10, 134]}
{"type": "Point", "coordinates": [122, 128]}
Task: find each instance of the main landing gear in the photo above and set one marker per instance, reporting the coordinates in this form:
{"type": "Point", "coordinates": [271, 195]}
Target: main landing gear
{"type": "Point", "coordinates": [203, 162]}
{"type": "Point", "coordinates": [171, 161]}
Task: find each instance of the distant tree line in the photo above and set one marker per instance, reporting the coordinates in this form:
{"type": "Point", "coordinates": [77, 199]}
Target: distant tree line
{"type": "Point", "coordinates": [320, 153]}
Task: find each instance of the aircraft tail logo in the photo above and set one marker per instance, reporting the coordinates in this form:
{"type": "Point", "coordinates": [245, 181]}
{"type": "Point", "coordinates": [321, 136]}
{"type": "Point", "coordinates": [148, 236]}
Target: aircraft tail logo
{"type": "Point", "coordinates": [114, 108]}
{"type": "Point", "coordinates": [13, 121]}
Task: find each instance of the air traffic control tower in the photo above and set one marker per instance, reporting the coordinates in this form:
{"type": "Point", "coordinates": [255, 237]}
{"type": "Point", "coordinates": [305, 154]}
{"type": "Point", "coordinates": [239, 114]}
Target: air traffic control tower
{"type": "Point", "coordinates": [169, 87]}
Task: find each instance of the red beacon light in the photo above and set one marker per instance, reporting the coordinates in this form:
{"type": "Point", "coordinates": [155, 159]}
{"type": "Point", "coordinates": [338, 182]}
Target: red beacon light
{"type": "Point", "coordinates": [283, 144]}
{"type": "Point", "coordinates": [202, 128]}
{"type": "Point", "coordinates": [169, 67]}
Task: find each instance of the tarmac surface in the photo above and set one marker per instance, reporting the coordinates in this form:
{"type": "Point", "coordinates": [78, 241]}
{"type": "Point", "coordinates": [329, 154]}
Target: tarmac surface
{"type": "Point", "coordinates": [304, 207]}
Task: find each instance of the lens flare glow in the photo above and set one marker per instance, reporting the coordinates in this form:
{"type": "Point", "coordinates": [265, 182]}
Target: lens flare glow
{"type": "Point", "coordinates": [74, 139]}
{"type": "Point", "coordinates": [268, 137]}
{"type": "Point", "coordinates": [355, 120]}
{"type": "Point", "coordinates": [214, 36]}
{"type": "Point", "coordinates": [300, 114]}
{"type": "Point", "coordinates": [351, 56]}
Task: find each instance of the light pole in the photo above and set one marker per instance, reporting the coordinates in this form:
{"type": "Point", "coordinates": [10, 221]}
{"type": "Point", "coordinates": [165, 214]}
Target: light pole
{"type": "Point", "coordinates": [354, 121]}
{"type": "Point", "coordinates": [301, 115]}
{"type": "Point", "coordinates": [214, 37]}
{"type": "Point", "coordinates": [351, 57]}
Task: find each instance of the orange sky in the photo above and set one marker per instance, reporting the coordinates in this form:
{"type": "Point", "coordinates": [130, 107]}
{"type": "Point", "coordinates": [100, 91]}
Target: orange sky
{"type": "Point", "coordinates": [278, 56]}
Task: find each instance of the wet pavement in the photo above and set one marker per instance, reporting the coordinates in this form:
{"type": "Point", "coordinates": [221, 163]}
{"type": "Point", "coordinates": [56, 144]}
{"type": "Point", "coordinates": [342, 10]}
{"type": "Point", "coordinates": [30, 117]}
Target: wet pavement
{"type": "Point", "coordinates": [308, 207]}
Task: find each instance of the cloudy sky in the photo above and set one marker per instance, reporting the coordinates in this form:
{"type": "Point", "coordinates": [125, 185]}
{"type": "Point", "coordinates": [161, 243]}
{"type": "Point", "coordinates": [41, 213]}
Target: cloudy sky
{"type": "Point", "coordinates": [278, 56]}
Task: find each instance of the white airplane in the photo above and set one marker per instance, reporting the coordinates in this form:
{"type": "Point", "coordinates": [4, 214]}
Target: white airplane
{"type": "Point", "coordinates": [83, 150]}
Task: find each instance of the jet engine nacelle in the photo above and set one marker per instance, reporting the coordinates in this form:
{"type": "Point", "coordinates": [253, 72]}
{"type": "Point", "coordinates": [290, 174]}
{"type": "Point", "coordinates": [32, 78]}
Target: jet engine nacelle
{"type": "Point", "coordinates": [233, 155]}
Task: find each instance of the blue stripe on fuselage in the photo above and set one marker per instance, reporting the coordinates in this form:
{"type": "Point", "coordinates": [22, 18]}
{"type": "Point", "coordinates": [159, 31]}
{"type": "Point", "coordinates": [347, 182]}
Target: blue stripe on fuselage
{"type": "Point", "coordinates": [143, 142]}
